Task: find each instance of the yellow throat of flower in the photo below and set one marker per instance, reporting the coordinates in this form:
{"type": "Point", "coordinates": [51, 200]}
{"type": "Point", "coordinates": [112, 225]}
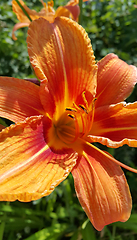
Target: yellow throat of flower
{"type": "Point", "coordinates": [72, 126]}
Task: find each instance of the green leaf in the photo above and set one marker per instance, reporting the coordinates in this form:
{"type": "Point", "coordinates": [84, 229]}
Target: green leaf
{"type": "Point", "coordinates": [50, 233]}
{"type": "Point", "coordinates": [88, 232]}
{"type": "Point", "coordinates": [2, 122]}
{"type": "Point", "coordinates": [75, 235]}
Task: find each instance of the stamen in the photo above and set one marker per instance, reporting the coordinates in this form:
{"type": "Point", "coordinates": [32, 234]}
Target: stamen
{"type": "Point", "coordinates": [90, 118]}
{"type": "Point", "coordinates": [85, 100]}
{"type": "Point", "coordinates": [83, 108]}
{"type": "Point", "coordinates": [71, 116]}
{"type": "Point", "coordinates": [83, 116]}
{"type": "Point", "coordinates": [43, 3]}
{"type": "Point", "coordinates": [92, 112]}
{"type": "Point", "coordinates": [71, 109]}
{"type": "Point", "coordinates": [75, 106]}
{"type": "Point", "coordinates": [50, 3]}
{"type": "Point", "coordinates": [76, 130]}
{"type": "Point", "coordinates": [111, 158]}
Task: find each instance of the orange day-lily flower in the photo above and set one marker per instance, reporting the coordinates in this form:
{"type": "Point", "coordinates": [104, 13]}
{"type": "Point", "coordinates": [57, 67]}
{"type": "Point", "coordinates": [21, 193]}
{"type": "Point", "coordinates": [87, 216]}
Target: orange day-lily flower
{"type": "Point", "coordinates": [77, 103]}
{"type": "Point", "coordinates": [71, 9]}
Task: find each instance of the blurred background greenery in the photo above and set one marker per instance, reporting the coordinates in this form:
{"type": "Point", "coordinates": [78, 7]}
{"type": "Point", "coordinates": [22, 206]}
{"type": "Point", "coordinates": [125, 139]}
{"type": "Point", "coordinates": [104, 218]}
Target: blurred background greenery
{"type": "Point", "coordinates": [112, 27]}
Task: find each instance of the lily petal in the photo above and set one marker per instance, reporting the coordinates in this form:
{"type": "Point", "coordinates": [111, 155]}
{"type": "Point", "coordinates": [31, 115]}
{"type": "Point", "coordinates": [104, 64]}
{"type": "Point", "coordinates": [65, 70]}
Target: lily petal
{"type": "Point", "coordinates": [16, 27]}
{"type": "Point", "coordinates": [19, 99]}
{"type": "Point", "coordinates": [72, 8]}
{"type": "Point", "coordinates": [29, 169]}
{"type": "Point", "coordinates": [63, 11]}
{"type": "Point", "coordinates": [62, 56]}
{"type": "Point", "coordinates": [117, 124]}
{"type": "Point", "coordinates": [21, 15]}
{"type": "Point", "coordinates": [101, 188]}
{"type": "Point", "coordinates": [116, 80]}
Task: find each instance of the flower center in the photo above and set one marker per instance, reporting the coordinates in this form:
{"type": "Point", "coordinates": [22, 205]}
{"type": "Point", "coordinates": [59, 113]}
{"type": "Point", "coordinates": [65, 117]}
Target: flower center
{"type": "Point", "coordinates": [76, 122]}
{"type": "Point", "coordinates": [72, 126]}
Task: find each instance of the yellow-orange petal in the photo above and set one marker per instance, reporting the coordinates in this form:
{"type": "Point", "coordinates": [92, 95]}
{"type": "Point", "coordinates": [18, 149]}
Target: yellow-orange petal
{"type": "Point", "coordinates": [19, 99]}
{"type": "Point", "coordinates": [21, 15]}
{"type": "Point", "coordinates": [72, 11]}
{"type": "Point", "coordinates": [61, 54]}
{"type": "Point", "coordinates": [101, 188]}
{"type": "Point", "coordinates": [47, 99]}
{"type": "Point", "coordinates": [115, 80]}
{"type": "Point", "coordinates": [112, 143]}
{"type": "Point", "coordinates": [16, 27]}
{"type": "Point", "coordinates": [29, 168]}
{"type": "Point", "coordinates": [117, 124]}
{"type": "Point", "coordinates": [62, 11]}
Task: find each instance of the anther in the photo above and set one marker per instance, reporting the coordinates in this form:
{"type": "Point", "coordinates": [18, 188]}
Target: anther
{"type": "Point", "coordinates": [83, 108]}
{"type": "Point", "coordinates": [71, 116]}
{"type": "Point", "coordinates": [70, 109]}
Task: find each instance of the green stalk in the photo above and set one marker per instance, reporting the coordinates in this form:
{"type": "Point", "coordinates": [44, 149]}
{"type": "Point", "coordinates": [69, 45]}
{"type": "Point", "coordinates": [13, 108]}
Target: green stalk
{"type": "Point", "coordinates": [23, 9]}
{"type": "Point", "coordinates": [2, 226]}
{"type": "Point", "coordinates": [114, 232]}
{"type": "Point", "coordinates": [80, 16]}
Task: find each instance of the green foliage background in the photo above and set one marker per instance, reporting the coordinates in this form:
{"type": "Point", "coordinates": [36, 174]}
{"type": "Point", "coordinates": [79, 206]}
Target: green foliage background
{"type": "Point", "coordinates": [112, 27]}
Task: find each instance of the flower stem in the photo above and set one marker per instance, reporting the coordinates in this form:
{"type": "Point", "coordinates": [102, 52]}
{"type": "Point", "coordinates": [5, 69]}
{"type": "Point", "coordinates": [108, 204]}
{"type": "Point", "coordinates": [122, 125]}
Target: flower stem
{"type": "Point", "coordinates": [80, 16]}
{"type": "Point", "coordinates": [23, 9]}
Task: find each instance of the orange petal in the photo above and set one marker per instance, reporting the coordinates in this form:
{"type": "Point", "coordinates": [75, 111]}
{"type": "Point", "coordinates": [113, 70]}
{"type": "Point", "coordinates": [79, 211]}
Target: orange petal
{"type": "Point", "coordinates": [29, 169]}
{"type": "Point", "coordinates": [48, 101]}
{"type": "Point", "coordinates": [62, 11]}
{"type": "Point", "coordinates": [16, 27]}
{"type": "Point", "coordinates": [19, 99]}
{"type": "Point", "coordinates": [72, 11]}
{"type": "Point", "coordinates": [116, 80]}
{"type": "Point", "coordinates": [61, 54]}
{"type": "Point", "coordinates": [21, 15]}
{"type": "Point", "coordinates": [117, 124]}
{"type": "Point", "coordinates": [73, 7]}
{"type": "Point", "coordinates": [101, 188]}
